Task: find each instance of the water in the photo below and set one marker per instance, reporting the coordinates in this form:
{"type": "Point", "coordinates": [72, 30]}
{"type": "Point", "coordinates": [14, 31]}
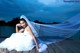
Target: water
{"type": "Point", "coordinates": [6, 31]}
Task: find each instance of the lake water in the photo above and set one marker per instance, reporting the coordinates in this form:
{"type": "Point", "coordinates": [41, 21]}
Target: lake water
{"type": "Point", "coordinates": [6, 31]}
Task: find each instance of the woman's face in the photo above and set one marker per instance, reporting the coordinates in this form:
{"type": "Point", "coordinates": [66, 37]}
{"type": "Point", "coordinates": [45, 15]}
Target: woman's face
{"type": "Point", "coordinates": [23, 23]}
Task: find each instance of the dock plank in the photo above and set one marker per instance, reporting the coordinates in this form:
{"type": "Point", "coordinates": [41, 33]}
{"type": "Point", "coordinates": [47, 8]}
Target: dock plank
{"type": "Point", "coordinates": [19, 52]}
{"type": "Point", "coordinates": [50, 50]}
{"type": "Point", "coordinates": [4, 50]}
{"type": "Point", "coordinates": [56, 49]}
{"type": "Point", "coordinates": [33, 50]}
{"type": "Point", "coordinates": [70, 45]}
{"type": "Point", "coordinates": [25, 52]}
{"type": "Point", "coordinates": [13, 51]}
{"type": "Point", "coordinates": [66, 46]}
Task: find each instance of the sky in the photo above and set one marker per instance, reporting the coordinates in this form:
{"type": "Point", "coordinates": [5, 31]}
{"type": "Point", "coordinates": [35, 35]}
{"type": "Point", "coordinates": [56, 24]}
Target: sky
{"type": "Point", "coordinates": [42, 10]}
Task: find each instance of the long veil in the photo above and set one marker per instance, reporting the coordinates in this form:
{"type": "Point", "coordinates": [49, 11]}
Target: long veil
{"type": "Point", "coordinates": [51, 33]}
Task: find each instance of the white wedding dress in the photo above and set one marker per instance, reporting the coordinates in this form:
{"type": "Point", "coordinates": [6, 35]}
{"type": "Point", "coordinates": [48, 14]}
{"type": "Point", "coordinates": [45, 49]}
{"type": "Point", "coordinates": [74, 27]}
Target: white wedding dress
{"type": "Point", "coordinates": [21, 42]}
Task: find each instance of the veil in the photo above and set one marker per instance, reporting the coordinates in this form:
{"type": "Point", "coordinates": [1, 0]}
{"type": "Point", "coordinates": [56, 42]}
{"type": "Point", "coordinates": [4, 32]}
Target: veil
{"type": "Point", "coordinates": [52, 33]}
{"type": "Point", "coordinates": [30, 25]}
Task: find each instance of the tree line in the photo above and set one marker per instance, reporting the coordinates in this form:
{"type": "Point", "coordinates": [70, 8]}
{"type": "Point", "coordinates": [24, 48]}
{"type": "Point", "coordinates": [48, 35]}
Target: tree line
{"type": "Point", "coordinates": [14, 21]}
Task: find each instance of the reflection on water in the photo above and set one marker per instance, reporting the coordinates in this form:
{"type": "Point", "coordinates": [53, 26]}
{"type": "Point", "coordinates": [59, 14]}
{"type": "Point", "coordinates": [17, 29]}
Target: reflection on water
{"type": "Point", "coordinates": [6, 31]}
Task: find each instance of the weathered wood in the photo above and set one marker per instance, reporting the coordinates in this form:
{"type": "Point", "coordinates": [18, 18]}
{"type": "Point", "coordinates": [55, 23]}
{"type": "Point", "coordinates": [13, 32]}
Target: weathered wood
{"type": "Point", "coordinates": [56, 49]}
{"type": "Point", "coordinates": [50, 50]}
{"type": "Point", "coordinates": [4, 50]}
{"type": "Point", "coordinates": [69, 45]}
{"type": "Point", "coordinates": [19, 52]}
{"type": "Point", "coordinates": [36, 51]}
{"type": "Point", "coordinates": [66, 46]}
{"type": "Point", "coordinates": [33, 50]}
{"type": "Point", "coordinates": [75, 43]}
{"type": "Point", "coordinates": [67, 49]}
{"type": "Point", "coordinates": [25, 52]}
{"type": "Point", "coordinates": [13, 51]}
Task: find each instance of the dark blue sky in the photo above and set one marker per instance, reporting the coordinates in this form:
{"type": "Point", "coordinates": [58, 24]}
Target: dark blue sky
{"type": "Point", "coordinates": [42, 10]}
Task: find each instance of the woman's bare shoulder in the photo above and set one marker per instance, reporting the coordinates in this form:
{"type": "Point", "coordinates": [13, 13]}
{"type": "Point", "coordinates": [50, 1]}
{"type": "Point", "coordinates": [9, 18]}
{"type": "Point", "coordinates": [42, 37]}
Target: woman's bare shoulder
{"type": "Point", "coordinates": [27, 28]}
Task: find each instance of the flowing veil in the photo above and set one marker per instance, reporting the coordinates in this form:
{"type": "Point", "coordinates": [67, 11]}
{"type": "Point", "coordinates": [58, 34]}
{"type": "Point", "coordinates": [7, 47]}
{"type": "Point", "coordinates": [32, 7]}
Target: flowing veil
{"type": "Point", "coordinates": [51, 33]}
{"type": "Point", "coordinates": [30, 25]}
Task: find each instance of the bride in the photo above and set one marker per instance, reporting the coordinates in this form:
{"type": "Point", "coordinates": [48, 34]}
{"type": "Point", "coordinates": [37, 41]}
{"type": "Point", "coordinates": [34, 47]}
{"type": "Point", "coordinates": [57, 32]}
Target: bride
{"type": "Point", "coordinates": [23, 39]}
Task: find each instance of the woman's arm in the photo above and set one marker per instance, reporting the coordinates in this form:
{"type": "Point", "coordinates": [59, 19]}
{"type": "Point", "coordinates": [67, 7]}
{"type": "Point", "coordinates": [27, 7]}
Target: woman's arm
{"type": "Point", "coordinates": [17, 30]}
{"type": "Point", "coordinates": [29, 29]}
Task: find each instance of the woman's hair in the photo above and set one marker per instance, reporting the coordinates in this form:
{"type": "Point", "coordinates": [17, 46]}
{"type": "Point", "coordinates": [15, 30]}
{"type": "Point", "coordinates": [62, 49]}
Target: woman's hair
{"type": "Point", "coordinates": [22, 19]}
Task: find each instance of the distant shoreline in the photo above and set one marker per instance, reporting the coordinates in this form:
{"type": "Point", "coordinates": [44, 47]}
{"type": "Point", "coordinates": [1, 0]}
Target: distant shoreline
{"type": "Point", "coordinates": [16, 20]}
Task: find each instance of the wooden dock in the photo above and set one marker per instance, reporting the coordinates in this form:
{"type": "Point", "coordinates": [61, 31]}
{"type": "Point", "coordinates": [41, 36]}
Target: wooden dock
{"type": "Point", "coordinates": [66, 46]}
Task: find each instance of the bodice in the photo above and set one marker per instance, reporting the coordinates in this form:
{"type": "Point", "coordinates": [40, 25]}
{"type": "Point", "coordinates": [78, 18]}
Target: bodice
{"type": "Point", "coordinates": [26, 32]}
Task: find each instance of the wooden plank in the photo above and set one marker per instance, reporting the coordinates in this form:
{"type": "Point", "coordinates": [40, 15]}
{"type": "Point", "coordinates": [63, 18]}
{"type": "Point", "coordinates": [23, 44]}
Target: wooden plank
{"type": "Point", "coordinates": [25, 52]}
{"type": "Point", "coordinates": [67, 49]}
{"type": "Point", "coordinates": [75, 43]}
{"type": "Point", "coordinates": [74, 47]}
{"type": "Point", "coordinates": [70, 45]}
{"type": "Point", "coordinates": [19, 52]}
{"type": "Point", "coordinates": [56, 49]}
{"type": "Point", "coordinates": [6, 50]}
{"type": "Point", "coordinates": [66, 46]}
{"type": "Point", "coordinates": [3, 50]}
{"type": "Point", "coordinates": [33, 50]}
{"type": "Point", "coordinates": [50, 50]}
{"type": "Point", "coordinates": [13, 51]}
{"type": "Point", "coordinates": [36, 51]}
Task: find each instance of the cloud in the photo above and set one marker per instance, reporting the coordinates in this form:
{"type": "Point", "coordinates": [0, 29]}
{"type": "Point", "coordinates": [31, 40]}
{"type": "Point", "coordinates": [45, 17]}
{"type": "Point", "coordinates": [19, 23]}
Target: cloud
{"type": "Point", "coordinates": [57, 3]}
{"type": "Point", "coordinates": [52, 2]}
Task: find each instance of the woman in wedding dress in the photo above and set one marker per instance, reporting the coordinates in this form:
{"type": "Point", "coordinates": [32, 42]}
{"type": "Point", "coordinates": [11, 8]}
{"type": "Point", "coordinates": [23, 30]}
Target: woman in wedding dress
{"type": "Point", "coordinates": [23, 39]}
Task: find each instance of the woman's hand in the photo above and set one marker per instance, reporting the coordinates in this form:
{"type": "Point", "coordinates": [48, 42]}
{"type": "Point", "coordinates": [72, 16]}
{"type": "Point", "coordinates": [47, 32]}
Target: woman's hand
{"type": "Point", "coordinates": [22, 30]}
{"type": "Point", "coordinates": [18, 25]}
{"type": "Point", "coordinates": [37, 47]}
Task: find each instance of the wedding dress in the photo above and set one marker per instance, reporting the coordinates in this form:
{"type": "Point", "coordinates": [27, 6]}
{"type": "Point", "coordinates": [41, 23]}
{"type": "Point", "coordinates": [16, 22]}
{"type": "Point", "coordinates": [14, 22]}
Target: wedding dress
{"type": "Point", "coordinates": [21, 42]}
